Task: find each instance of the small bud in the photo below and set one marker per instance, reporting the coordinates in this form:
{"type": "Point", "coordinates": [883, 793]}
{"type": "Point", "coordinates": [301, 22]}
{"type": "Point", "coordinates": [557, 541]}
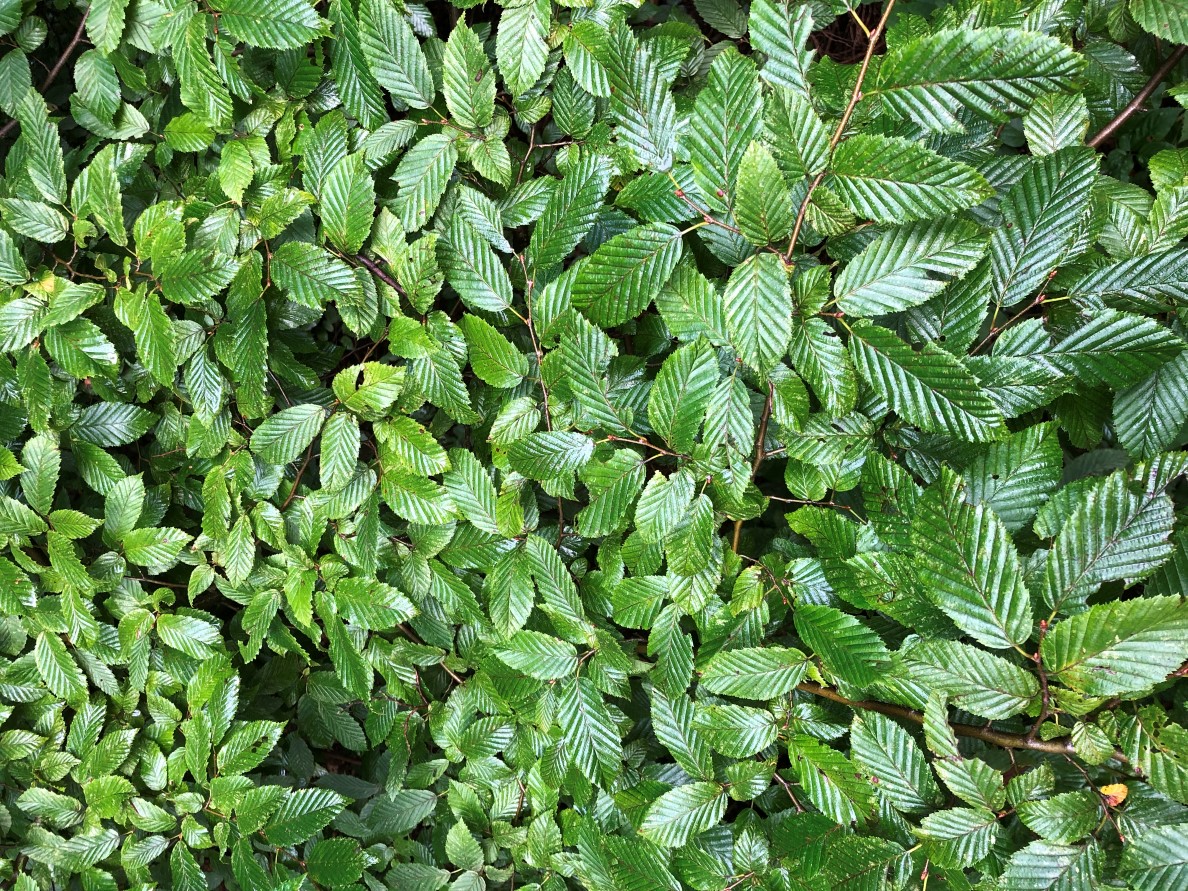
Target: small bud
{"type": "Point", "coordinates": [720, 193]}
{"type": "Point", "coordinates": [680, 193]}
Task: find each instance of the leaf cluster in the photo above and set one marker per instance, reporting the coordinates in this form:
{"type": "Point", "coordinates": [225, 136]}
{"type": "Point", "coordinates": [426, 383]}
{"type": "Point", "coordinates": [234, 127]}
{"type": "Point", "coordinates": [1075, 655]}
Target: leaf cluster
{"type": "Point", "coordinates": [601, 445]}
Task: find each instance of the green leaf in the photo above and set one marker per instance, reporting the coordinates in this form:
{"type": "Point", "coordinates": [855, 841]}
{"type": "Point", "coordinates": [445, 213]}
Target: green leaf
{"type": "Point", "coordinates": [591, 740]}
{"type": "Point", "coordinates": [1114, 531]}
{"type": "Point", "coordinates": [282, 437]}
{"type": "Point", "coordinates": [725, 119]}
{"type": "Point", "coordinates": [520, 46]}
{"type": "Point", "coordinates": [422, 175]}
{"type": "Point", "coordinates": [538, 655]}
{"type": "Point", "coordinates": [929, 388]}
{"type": "Point", "coordinates": [1158, 858]}
{"type": "Point", "coordinates": [276, 24]}
{"type": "Point", "coordinates": [683, 813]}
{"type": "Point", "coordinates": [972, 679]}
{"type": "Point", "coordinates": [105, 24]}
{"type": "Point", "coordinates": [989, 72]}
{"type": "Point", "coordinates": [757, 305]}
{"type": "Point", "coordinates": [891, 755]}
{"type": "Point", "coordinates": [780, 32]}
{"type": "Point", "coordinates": [335, 862]}
{"type": "Point", "coordinates": [959, 837]}
{"type": "Point", "coordinates": [301, 814]}
{"type": "Point", "coordinates": [1115, 349]}
{"type": "Point", "coordinates": [58, 669]}
{"type": "Point", "coordinates": [468, 79]}
{"type": "Point", "coordinates": [394, 55]}
{"type": "Point", "coordinates": [679, 397]}
{"type": "Point", "coordinates": [542, 456]}
{"type": "Point", "coordinates": [311, 276]}
{"type": "Point", "coordinates": [1118, 647]}
{"type": "Point", "coordinates": [1046, 867]}
{"type": "Point", "coordinates": [758, 673]}
{"type": "Point", "coordinates": [970, 566]}
{"type": "Point", "coordinates": [897, 181]}
{"type": "Point", "coordinates": [339, 454]}
{"type": "Point", "coordinates": [348, 204]}
{"type": "Point", "coordinates": [764, 205]}
{"type": "Point", "coordinates": [1168, 20]}
{"type": "Point", "coordinates": [492, 356]}
{"type": "Point", "coordinates": [626, 273]}
{"type": "Point", "coordinates": [472, 268]}
{"type": "Point", "coordinates": [908, 266]}
{"type": "Point", "coordinates": [462, 849]}
{"type": "Point", "coordinates": [1040, 215]}
{"type": "Point", "coordinates": [848, 648]}
{"type": "Point", "coordinates": [830, 781]}
{"type": "Point", "coordinates": [569, 212]}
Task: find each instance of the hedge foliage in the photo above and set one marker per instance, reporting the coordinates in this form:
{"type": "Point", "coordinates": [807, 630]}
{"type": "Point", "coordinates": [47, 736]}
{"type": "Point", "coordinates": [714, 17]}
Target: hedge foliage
{"type": "Point", "coordinates": [588, 445]}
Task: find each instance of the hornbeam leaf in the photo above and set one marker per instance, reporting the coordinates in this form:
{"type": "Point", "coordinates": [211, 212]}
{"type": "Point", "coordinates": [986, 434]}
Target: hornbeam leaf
{"type": "Point", "coordinates": [897, 181]}
{"type": "Point", "coordinates": [929, 388]}
{"type": "Point", "coordinates": [1113, 532]}
{"type": "Point", "coordinates": [908, 266]}
{"type": "Point", "coordinates": [760, 673]}
{"type": "Point", "coordinates": [1040, 214]}
{"type": "Point", "coordinates": [1118, 647]}
{"type": "Point", "coordinates": [1158, 858]}
{"type": "Point", "coordinates": [275, 24]}
{"type": "Point", "coordinates": [681, 393]}
{"type": "Point", "coordinates": [989, 72]}
{"type": "Point", "coordinates": [683, 813]}
{"type": "Point", "coordinates": [468, 79]}
{"type": "Point", "coordinates": [394, 55]}
{"type": "Point", "coordinates": [969, 565]}
{"type": "Point", "coordinates": [758, 310]}
{"type": "Point", "coordinates": [285, 435]}
{"type": "Point", "coordinates": [626, 273]}
{"type": "Point", "coordinates": [780, 32]}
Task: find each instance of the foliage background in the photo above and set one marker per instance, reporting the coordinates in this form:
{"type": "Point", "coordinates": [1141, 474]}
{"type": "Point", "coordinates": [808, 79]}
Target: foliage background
{"type": "Point", "coordinates": [581, 444]}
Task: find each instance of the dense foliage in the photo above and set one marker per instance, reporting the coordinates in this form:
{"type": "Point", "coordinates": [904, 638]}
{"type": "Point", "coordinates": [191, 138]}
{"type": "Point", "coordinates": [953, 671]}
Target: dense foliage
{"type": "Point", "coordinates": [588, 445]}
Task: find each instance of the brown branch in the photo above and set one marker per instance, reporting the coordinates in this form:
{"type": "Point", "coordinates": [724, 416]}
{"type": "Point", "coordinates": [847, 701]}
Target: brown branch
{"type": "Point", "coordinates": [1139, 100]}
{"type": "Point", "coordinates": [78, 37]}
{"type": "Point", "coordinates": [1045, 693]}
{"type": "Point", "coordinates": [760, 436]}
{"type": "Point", "coordinates": [855, 98]}
{"type": "Point", "coordinates": [297, 479]}
{"type": "Point", "coordinates": [375, 269]}
{"type": "Point", "coordinates": [994, 737]}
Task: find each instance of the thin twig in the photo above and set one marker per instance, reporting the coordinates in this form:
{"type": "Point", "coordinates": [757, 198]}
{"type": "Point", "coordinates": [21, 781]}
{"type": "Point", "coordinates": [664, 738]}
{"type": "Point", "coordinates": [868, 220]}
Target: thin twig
{"type": "Point", "coordinates": [1045, 694]}
{"type": "Point", "coordinates": [760, 436]}
{"type": "Point", "coordinates": [855, 98]}
{"type": "Point", "coordinates": [994, 737]}
{"type": "Point", "coordinates": [297, 479]}
{"type": "Point", "coordinates": [1139, 100]}
{"type": "Point", "coordinates": [374, 268]}
{"type": "Point", "coordinates": [79, 34]}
